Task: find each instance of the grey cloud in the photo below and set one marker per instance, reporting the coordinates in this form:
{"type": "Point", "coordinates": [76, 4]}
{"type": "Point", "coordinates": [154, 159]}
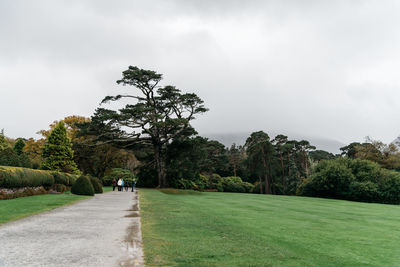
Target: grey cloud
{"type": "Point", "coordinates": [316, 68]}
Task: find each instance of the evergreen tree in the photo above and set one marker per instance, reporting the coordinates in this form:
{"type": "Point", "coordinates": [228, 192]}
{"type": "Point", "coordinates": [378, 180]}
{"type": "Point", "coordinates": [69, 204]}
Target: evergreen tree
{"type": "Point", "coordinates": [57, 151]}
{"type": "Point", "coordinates": [3, 141]}
{"type": "Point", "coordinates": [19, 146]}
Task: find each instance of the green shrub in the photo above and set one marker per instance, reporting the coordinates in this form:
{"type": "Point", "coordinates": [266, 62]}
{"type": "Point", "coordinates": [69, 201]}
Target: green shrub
{"type": "Point", "coordinates": [186, 184]}
{"type": "Point", "coordinates": [389, 188]}
{"type": "Point", "coordinates": [82, 186]}
{"type": "Point", "coordinates": [71, 178]}
{"type": "Point", "coordinates": [353, 179]}
{"type": "Point", "coordinates": [233, 184]}
{"type": "Point", "coordinates": [14, 177]}
{"type": "Point", "coordinates": [60, 188]}
{"type": "Point", "coordinates": [118, 173]}
{"type": "Point", "coordinates": [363, 191]}
{"type": "Point", "coordinates": [216, 182]}
{"type": "Point", "coordinates": [8, 157]}
{"type": "Point", "coordinates": [331, 178]}
{"type": "Point", "coordinates": [64, 178]}
{"type": "Point", "coordinates": [60, 178]}
{"type": "Point", "coordinates": [248, 187]}
{"type": "Point", "coordinates": [365, 170]}
{"type": "Point", "coordinates": [96, 183]}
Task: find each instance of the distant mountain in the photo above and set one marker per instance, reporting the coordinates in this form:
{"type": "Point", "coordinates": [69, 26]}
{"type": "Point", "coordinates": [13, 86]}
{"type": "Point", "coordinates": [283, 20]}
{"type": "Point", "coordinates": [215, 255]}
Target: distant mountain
{"type": "Point", "coordinates": [228, 139]}
{"type": "Point", "coordinates": [396, 141]}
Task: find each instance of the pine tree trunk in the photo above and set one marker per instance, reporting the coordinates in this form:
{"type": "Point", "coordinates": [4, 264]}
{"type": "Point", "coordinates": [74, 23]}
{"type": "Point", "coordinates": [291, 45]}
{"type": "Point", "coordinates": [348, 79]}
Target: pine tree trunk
{"type": "Point", "coordinates": [306, 162]}
{"type": "Point", "coordinates": [282, 166]}
{"type": "Point", "coordinates": [266, 184]}
{"type": "Point", "coordinates": [266, 171]}
{"type": "Point", "coordinates": [160, 167]}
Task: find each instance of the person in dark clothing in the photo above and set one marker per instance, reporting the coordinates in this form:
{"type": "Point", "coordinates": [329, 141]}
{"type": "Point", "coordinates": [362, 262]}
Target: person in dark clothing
{"type": "Point", "coordinates": [114, 183]}
{"type": "Point", "coordinates": [126, 185]}
{"type": "Point", "coordinates": [133, 185]}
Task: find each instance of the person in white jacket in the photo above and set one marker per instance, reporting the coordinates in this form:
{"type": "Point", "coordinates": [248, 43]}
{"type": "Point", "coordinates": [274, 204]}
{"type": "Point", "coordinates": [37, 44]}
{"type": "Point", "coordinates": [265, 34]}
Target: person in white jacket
{"type": "Point", "coordinates": [119, 184]}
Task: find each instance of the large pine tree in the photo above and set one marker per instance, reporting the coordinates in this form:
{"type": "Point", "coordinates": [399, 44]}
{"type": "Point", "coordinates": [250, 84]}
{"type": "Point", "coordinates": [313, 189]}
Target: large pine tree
{"type": "Point", "coordinates": [57, 151]}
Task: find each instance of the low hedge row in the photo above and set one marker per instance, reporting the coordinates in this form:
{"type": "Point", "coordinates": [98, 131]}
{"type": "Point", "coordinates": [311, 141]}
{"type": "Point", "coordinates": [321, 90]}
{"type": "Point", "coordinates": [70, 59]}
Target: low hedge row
{"type": "Point", "coordinates": [16, 177]}
{"type": "Point", "coordinates": [215, 183]}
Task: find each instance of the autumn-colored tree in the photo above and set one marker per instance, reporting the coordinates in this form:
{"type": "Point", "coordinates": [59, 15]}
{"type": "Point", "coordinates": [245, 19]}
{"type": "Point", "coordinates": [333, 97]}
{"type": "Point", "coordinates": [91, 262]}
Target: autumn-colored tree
{"type": "Point", "coordinates": [71, 126]}
{"type": "Point", "coordinates": [387, 155]}
{"type": "Point", "coordinates": [33, 149]}
{"type": "Point", "coordinates": [57, 151]}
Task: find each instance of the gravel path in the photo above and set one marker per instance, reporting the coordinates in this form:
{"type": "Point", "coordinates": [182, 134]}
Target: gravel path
{"type": "Point", "coordinates": [101, 231]}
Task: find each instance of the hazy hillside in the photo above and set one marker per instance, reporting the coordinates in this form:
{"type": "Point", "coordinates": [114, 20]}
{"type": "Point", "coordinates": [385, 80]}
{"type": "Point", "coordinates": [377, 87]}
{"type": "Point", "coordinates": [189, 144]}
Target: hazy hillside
{"type": "Point", "coordinates": [228, 139]}
{"type": "Point", "coordinates": [396, 141]}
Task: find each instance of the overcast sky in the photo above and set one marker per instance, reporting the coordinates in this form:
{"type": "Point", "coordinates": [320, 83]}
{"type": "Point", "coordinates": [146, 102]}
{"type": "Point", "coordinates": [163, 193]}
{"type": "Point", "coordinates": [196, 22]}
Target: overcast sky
{"type": "Point", "coordinates": [316, 68]}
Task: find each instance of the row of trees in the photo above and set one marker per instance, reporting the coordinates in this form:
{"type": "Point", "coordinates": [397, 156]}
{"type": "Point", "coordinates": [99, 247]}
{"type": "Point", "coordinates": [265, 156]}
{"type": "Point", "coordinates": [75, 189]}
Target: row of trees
{"type": "Point", "coordinates": [387, 155]}
{"type": "Point", "coordinates": [61, 149]}
{"type": "Point", "coordinates": [152, 137]}
{"type": "Point", "coordinates": [156, 127]}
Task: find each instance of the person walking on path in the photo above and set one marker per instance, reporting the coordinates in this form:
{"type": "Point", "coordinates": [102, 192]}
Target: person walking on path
{"type": "Point", "coordinates": [119, 184]}
{"type": "Point", "coordinates": [133, 185]}
{"type": "Point", "coordinates": [126, 185]}
{"type": "Point", "coordinates": [114, 183]}
{"type": "Point", "coordinates": [122, 185]}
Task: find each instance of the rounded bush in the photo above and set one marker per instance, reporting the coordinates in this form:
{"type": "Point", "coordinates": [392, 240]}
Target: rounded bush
{"type": "Point", "coordinates": [233, 184]}
{"type": "Point", "coordinates": [60, 188]}
{"type": "Point", "coordinates": [82, 186]}
{"type": "Point", "coordinates": [96, 183]}
{"type": "Point", "coordinates": [248, 187]}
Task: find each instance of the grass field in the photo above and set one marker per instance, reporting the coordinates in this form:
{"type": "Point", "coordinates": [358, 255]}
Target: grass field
{"type": "Point", "coordinates": [228, 229]}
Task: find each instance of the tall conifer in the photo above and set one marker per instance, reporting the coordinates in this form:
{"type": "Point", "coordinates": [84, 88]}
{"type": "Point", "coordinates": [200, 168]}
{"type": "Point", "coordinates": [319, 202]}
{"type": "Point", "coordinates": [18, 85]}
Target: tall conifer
{"type": "Point", "coordinates": [3, 142]}
{"type": "Point", "coordinates": [57, 151]}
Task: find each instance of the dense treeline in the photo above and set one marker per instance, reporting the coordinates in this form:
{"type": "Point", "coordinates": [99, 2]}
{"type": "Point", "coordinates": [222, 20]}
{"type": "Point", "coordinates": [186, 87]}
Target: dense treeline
{"type": "Point", "coordinates": [152, 139]}
{"type": "Point", "coordinates": [353, 179]}
{"type": "Point", "coordinates": [60, 149]}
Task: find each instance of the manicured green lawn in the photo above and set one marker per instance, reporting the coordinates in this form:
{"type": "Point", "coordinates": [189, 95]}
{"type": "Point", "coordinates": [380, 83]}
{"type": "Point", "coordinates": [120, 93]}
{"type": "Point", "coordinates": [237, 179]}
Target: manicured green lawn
{"type": "Point", "coordinates": [17, 208]}
{"type": "Point", "coordinates": [228, 229]}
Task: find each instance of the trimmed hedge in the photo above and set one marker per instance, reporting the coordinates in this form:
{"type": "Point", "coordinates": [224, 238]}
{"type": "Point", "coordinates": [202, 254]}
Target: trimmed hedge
{"type": "Point", "coordinates": [60, 188]}
{"type": "Point", "coordinates": [82, 186]}
{"type": "Point", "coordinates": [216, 183]}
{"type": "Point", "coordinates": [64, 178]}
{"type": "Point", "coordinates": [15, 177]}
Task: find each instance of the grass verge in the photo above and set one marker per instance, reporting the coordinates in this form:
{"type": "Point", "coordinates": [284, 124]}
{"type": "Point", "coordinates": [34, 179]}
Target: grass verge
{"type": "Point", "coordinates": [18, 208]}
{"type": "Point", "coordinates": [107, 189]}
{"type": "Point", "coordinates": [227, 229]}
